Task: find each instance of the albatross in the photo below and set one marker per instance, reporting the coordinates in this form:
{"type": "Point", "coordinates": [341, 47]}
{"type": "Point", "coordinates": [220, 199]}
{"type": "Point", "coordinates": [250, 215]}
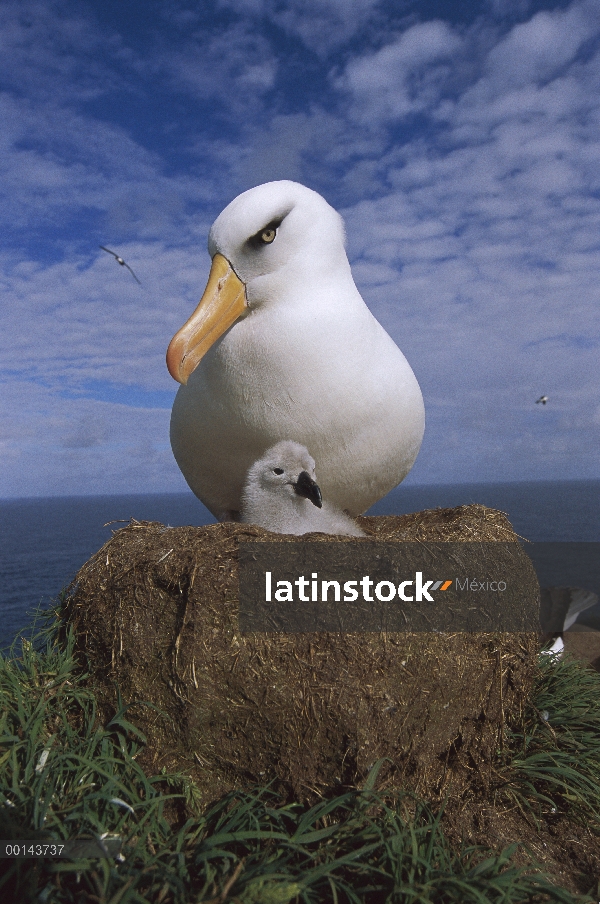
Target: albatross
{"type": "Point", "coordinates": [282, 344]}
{"type": "Point", "coordinates": [120, 261]}
{"type": "Point", "coordinates": [281, 493]}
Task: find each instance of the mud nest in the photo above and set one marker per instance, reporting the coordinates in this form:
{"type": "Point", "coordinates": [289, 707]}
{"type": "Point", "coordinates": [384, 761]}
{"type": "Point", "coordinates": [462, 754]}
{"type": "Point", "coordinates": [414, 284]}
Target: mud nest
{"type": "Point", "coordinates": [156, 612]}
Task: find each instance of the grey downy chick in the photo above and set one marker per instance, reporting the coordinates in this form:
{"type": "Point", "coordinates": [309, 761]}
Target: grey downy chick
{"type": "Point", "coordinates": [281, 494]}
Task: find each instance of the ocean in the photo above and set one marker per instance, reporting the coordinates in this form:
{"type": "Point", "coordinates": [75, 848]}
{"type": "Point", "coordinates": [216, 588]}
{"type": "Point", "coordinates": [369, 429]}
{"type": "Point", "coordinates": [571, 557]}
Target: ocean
{"type": "Point", "coordinates": [43, 542]}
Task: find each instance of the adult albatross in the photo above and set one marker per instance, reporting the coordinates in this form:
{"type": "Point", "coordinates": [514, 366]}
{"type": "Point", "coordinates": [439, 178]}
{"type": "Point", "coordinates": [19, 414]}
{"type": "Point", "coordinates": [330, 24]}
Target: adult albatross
{"type": "Point", "coordinates": [282, 345]}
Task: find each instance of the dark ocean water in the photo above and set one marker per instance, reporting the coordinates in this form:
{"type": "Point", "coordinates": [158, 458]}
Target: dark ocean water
{"type": "Point", "coordinates": [43, 542]}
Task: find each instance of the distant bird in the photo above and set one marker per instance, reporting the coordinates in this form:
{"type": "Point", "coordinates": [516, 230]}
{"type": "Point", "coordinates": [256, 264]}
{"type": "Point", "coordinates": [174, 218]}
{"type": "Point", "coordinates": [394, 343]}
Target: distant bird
{"type": "Point", "coordinates": [543, 399]}
{"type": "Point", "coordinates": [120, 260]}
{"type": "Point", "coordinates": [282, 345]}
{"type": "Point", "coordinates": [281, 494]}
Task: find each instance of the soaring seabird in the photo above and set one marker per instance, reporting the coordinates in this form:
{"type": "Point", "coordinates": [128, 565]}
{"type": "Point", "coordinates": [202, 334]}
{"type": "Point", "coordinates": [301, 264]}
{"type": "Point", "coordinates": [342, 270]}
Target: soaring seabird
{"type": "Point", "coordinates": [120, 260]}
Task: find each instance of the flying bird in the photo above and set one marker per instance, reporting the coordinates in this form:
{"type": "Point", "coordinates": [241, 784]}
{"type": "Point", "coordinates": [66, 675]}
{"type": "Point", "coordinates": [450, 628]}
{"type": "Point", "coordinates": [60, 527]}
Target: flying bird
{"type": "Point", "coordinates": [120, 260]}
{"type": "Point", "coordinates": [282, 344]}
{"type": "Point", "coordinates": [543, 399]}
{"type": "Point", "coordinates": [281, 494]}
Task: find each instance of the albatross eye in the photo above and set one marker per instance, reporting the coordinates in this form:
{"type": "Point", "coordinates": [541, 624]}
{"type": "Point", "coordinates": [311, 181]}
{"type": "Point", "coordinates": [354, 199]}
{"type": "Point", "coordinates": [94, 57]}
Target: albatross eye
{"type": "Point", "coordinates": [277, 470]}
{"type": "Point", "coordinates": [266, 235]}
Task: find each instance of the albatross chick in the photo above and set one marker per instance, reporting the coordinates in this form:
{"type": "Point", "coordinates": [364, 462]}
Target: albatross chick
{"type": "Point", "coordinates": [281, 494]}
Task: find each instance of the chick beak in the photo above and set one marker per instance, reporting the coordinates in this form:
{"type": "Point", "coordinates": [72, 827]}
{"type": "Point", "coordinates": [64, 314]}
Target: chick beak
{"type": "Point", "coordinates": [308, 488]}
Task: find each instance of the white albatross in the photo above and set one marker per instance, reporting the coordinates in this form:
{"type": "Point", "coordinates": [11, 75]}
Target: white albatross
{"type": "Point", "coordinates": [120, 261]}
{"type": "Point", "coordinates": [282, 344]}
{"type": "Point", "coordinates": [281, 494]}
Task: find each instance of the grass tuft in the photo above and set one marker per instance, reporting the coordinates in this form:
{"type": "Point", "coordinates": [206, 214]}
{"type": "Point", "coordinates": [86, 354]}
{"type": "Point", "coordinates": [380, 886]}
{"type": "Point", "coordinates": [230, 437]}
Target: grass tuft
{"type": "Point", "coordinates": [553, 757]}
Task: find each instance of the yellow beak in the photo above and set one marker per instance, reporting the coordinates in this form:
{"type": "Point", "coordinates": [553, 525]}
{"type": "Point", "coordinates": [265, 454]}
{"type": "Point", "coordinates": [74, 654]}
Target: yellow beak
{"type": "Point", "coordinates": [223, 302]}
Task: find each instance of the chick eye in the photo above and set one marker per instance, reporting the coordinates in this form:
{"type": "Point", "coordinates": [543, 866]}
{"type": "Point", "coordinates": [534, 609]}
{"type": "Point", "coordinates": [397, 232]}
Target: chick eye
{"type": "Point", "coordinates": [277, 470]}
{"type": "Point", "coordinates": [267, 236]}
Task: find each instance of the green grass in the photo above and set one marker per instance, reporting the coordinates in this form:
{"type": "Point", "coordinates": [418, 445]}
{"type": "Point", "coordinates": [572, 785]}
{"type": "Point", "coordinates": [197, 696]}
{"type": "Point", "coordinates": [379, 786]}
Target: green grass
{"type": "Point", "coordinates": [553, 757]}
{"type": "Point", "coordinates": [63, 775]}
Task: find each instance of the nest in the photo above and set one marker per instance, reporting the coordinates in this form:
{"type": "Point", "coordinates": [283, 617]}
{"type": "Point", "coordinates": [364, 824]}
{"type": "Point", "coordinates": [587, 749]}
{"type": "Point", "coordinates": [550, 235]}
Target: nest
{"type": "Point", "coordinates": [156, 611]}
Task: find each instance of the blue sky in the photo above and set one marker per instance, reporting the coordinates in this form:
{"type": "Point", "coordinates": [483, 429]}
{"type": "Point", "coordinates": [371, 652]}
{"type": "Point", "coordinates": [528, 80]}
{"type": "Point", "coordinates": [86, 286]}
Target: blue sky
{"type": "Point", "coordinates": [461, 143]}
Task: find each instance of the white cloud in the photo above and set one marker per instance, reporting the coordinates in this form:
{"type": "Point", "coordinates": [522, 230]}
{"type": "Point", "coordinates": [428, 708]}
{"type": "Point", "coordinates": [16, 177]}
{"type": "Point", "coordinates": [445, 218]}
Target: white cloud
{"type": "Point", "coordinates": [235, 65]}
{"type": "Point", "coordinates": [403, 77]}
{"type": "Point", "coordinates": [508, 8]}
{"type": "Point", "coordinates": [306, 147]}
{"type": "Point", "coordinates": [58, 164]}
{"type": "Point", "coordinates": [50, 46]}
{"type": "Point", "coordinates": [322, 25]}
{"type": "Point", "coordinates": [536, 50]}
{"type": "Point", "coordinates": [54, 447]}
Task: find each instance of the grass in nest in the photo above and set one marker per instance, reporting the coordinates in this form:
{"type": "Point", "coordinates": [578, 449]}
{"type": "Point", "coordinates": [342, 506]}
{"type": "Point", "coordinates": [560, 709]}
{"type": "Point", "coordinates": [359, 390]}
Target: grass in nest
{"type": "Point", "coordinates": [62, 775]}
{"type": "Point", "coordinates": [552, 758]}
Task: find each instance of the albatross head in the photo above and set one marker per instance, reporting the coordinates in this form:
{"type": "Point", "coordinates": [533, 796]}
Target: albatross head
{"type": "Point", "coordinates": [285, 472]}
{"type": "Point", "coordinates": [269, 238]}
